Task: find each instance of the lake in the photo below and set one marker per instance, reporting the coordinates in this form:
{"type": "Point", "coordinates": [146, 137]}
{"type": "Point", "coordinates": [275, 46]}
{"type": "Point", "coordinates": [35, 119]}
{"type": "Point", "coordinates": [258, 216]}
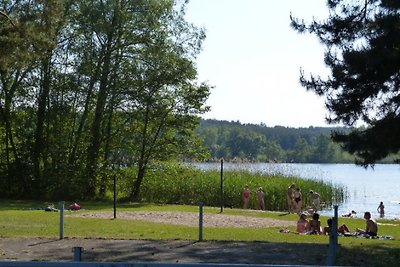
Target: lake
{"type": "Point", "coordinates": [366, 187]}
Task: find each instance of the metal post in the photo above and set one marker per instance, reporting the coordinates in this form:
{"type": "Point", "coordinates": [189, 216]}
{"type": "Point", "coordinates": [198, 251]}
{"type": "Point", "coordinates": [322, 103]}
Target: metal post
{"type": "Point", "coordinates": [115, 196]}
{"type": "Point", "coordinates": [77, 253]}
{"type": "Point", "coordinates": [333, 239]}
{"type": "Point", "coordinates": [201, 207]}
{"type": "Point", "coordinates": [62, 220]}
{"type": "Point", "coordinates": [335, 227]}
{"type": "Point", "coordinates": [222, 185]}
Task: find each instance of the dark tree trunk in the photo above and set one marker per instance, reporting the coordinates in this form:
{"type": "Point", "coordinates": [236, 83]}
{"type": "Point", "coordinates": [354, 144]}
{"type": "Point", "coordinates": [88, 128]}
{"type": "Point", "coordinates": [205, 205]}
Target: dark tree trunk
{"type": "Point", "coordinates": [41, 116]}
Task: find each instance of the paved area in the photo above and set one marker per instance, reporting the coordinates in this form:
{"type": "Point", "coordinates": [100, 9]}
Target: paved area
{"type": "Point", "coordinates": [175, 251]}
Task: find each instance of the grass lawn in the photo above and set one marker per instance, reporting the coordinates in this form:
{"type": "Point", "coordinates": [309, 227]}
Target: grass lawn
{"type": "Point", "coordinates": [22, 219]}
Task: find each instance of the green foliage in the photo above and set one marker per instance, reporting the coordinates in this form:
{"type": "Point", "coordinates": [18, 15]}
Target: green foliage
{"type": "Point", "coordinates": [90, 86]}
{"type": "Point", "coordinates": [175, 183]}
{"type": "Point", "coordinates": [362, 40]}
{"type": "Point", "coordinates": [249, 142]}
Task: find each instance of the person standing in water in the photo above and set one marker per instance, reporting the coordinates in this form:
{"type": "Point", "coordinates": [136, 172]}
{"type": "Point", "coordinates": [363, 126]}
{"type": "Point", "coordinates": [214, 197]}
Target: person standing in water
{"type": "Point", "coordinates": [381, 209]}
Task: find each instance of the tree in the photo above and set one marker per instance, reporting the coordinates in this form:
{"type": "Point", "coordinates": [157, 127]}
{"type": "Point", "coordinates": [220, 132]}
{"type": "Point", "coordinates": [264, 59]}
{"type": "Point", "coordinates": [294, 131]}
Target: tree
{"type": "Point", "coordinates": [322, 150]}
{"type": "Point", "coordinates": [362, 40]}
{"type": "Point", "coordinates": [28, 31]}
{"type": "Point", "coordinates": [165, 94]}
{"type": "Point", "coordinates": [86, 83]}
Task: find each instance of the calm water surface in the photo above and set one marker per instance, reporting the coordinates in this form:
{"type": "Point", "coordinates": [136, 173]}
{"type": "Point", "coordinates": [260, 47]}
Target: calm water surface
{"type": "Point", "coordinates": [366, 187]}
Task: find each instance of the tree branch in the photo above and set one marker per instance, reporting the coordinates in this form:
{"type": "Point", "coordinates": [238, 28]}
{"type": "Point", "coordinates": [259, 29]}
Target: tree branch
{"type": "Point", "coordinates": [9, 19]}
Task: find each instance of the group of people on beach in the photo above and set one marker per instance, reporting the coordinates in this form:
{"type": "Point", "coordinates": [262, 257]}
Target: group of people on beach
{"type": "Point", "coordinates": [313, 226]}
{"type": "Point", "coordinates": [294, 196]}
{"type": "Point", "coordinates": [295, 200]}
{"type": "Point", "coordinates": [260, 197]}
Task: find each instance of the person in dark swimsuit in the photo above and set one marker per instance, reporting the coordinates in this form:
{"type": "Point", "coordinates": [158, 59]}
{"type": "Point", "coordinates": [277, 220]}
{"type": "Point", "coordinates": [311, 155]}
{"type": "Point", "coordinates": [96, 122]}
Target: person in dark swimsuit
{"type": "Point", "coordinates": [297, 196]}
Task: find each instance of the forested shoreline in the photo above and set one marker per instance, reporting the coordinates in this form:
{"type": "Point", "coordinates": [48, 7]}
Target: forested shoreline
{"type": "Point", "coordinates": [235, 141]}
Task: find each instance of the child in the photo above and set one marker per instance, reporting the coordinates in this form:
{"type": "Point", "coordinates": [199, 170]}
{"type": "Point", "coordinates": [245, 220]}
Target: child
{"type": "Point", "coordinates": [246, 197]}
{"type": "Point", "coordinates": [315, 225]}
{"type": "Point", "coordinates": [328, 229]}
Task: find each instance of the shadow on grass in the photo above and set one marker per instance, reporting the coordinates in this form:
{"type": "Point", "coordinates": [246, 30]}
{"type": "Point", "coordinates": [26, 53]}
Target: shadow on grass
{"type": "Point", "coordinates": [369, 255]}
{"type": "Point", "coordinates": [6, 204]}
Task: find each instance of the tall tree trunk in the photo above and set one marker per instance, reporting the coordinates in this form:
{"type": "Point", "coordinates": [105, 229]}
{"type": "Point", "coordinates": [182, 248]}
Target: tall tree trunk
{"type": "Point", "coordinates": [145, 151]}
{"type": "Point", "coordinates": [139, 179]}
{"type": "Point", "coordinates": [10, 84]}
{"type": "Point", "coordinates": [96, 138]}
{"type": "Point", "coordinates": [41, 116]}
{"type": "Point", "coordinates": [86, 110]}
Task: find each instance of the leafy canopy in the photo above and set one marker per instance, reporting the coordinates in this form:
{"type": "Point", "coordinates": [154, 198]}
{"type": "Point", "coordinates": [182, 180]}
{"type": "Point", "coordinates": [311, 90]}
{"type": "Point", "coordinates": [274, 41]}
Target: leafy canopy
{"type": "Point", "coordinates": [362, 40]}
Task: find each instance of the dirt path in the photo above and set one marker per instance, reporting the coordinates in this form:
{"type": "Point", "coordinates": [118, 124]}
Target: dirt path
{"type": "Point", "coordinates": [110, 250]}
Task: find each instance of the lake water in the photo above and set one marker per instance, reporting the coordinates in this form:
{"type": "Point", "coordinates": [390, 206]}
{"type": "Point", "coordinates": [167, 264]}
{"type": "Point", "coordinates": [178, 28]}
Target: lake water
{"type": "Point", "coordinates": [366, 187]}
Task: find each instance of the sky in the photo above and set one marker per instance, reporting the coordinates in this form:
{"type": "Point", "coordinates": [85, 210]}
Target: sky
{"type": "Point", "coordinates": [253, 58]}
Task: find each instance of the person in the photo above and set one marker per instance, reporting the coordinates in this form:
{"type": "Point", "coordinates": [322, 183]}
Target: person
{"type": "Point", "coordinates": [74, 206]}
{"type": "Point", "coordinates": [314, 226]}
{"type": "Point", "coordinates": [246, 197]}
{"type": "Point", "coordinates": [315, 200]}
{"type": "Point", "coordinates": [297, 196]}
{"type": "Point", "coordinates": [260, 198]}
{"type": "Point", "coordinates": [381, 209]}
{"type": "Point", "coordinates": [328, 229]}
{"type": "Point", "coordinates": [51, 207]}
{"type": "Point", "coordinates": [350, 214]}
{"type": "Point", "coordinates": [289, 195]}
{"type": "Point", "coordinates": [302, 224]}
{"type": "Point", "coordinates": [371, 228]}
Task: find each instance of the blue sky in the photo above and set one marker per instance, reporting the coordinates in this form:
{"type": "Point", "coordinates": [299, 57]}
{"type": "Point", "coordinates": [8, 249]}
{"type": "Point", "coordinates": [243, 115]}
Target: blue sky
{"type": "Point", "coordinates": [253, 58]}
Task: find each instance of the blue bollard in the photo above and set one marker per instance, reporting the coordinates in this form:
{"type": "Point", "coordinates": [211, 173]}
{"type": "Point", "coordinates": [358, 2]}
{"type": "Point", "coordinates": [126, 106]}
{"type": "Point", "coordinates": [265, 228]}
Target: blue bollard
{"type": "Point", "coordinates": [77, 253]}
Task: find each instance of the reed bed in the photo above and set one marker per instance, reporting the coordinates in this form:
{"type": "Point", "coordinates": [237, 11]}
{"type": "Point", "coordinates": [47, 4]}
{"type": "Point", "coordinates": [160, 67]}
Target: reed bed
{"type": "Point", "coordinates": [174, 183]}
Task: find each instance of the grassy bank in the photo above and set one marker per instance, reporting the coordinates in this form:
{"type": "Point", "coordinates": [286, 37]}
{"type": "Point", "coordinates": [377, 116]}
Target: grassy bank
{"type": "Point", "coordinates": [21, 219]}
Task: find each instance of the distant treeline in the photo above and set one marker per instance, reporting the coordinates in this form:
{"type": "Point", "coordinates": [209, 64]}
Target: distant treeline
{"type": "Point", "coordinates": [235, 141]}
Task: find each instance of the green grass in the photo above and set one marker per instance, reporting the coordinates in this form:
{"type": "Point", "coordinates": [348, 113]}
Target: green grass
{"type": "Point", "coordinates": [18, 219]}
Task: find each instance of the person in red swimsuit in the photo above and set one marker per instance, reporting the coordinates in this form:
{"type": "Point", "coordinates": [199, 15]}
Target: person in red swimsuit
{"type": "Point", "coordinates": [246, 197]}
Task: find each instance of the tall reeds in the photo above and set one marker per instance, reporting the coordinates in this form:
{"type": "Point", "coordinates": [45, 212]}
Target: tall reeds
{"type": "Point", "coordinates": [175, 183]}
